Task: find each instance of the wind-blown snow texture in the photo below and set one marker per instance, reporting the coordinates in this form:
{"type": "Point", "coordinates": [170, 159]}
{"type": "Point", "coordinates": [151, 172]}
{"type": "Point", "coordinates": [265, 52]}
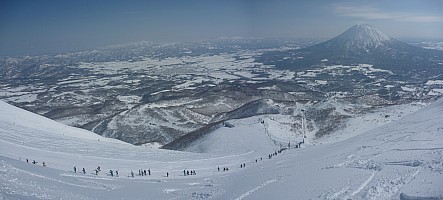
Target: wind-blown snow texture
{"type": "Point", "coordinates": [403, 159]}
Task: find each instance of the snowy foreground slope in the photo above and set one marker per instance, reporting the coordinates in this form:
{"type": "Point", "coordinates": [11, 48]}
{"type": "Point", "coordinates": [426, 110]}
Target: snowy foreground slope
{"type": "Point", "coordinates": [401, 160]}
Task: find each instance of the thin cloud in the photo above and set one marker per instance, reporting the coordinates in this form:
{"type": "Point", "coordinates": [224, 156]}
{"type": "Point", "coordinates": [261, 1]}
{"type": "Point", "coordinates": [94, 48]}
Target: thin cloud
{"type": "Point", "coordinates": [371, 13]}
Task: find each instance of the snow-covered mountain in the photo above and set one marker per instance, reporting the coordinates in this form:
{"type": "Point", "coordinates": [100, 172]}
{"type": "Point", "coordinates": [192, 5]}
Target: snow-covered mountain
{"type": "Point", "coordinates": [401, 160]}
{"type": "Point", "coordinates": [360, 38]}
{"type": "Point", "coordinates": [360, 44]}
{"type": "Point", "coordinates": [363, 42]}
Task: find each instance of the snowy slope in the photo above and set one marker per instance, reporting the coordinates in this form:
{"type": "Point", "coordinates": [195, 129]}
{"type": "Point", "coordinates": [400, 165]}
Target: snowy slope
{"type": "Point", "coordinates": [62, 147]}
{"type": "Point", "coordinates": [258, 134]}
{"type": "Point", "coordinates": [362, 36]}
{"type": "Point", "coordinates": [403, 158]}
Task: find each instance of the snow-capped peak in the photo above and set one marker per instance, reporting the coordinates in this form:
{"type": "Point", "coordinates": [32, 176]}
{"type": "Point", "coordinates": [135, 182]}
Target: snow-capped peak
{"type": "Point", "coordinates": [363, 36]}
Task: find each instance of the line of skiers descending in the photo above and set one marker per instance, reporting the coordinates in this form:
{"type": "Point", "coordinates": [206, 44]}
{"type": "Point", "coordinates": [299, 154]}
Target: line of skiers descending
{"type": "Point", "coordinates": [141, 172]}
{"type": "Point", "coordinates": [144, 172]}
{"type": "Point", "coordinates": [96, 171]}
{"type": "Point", "coordinates": [276, 152]}
{"type": "Point", "coordinates": [35, 162]}
{"type": "Point", "coordinates": [243, 165]}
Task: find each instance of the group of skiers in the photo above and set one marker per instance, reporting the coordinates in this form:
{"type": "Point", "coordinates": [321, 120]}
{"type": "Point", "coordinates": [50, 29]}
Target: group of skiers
{"type": "Point", "coordinates": [112, 172]}
{"type": "Point", "coordinates": [224, 169]}
{"type": "Point", "coordinates": [35, 162]}
{"type": "Point", "coordinates": [187, 172]}
{"type": "Point", "coordinates": [83, 170]}
{"type": "Point", "coordinates": [276, 152]}
{"type": "Point", "coordinates": [142, 172]}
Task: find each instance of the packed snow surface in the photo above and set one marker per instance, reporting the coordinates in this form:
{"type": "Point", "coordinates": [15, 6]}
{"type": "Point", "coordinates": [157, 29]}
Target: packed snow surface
{"type": "Point", "coordinates": [400, 159]}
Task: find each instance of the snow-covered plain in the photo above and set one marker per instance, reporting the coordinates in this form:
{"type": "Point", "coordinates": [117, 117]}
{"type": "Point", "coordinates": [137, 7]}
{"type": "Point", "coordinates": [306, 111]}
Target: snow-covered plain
{"type": "Point", "coordinates": [402, 159]}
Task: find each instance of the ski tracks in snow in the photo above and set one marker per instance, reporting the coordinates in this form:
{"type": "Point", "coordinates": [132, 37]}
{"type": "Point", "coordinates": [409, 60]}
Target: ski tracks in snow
{"type": "Point", "coordinates": [244, 195]}
{"type": "Point", "coordinates": [363, 185]}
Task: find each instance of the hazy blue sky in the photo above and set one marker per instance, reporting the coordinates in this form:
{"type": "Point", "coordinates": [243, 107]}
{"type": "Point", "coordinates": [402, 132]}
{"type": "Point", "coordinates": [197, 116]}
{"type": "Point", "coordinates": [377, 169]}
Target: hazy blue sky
{"type": "Point", "coordinates": [48, 26]}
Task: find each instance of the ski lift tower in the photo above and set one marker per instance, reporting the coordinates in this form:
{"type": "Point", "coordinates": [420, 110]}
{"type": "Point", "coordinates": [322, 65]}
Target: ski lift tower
{"type": "Point", "coordinates": [303, 119]}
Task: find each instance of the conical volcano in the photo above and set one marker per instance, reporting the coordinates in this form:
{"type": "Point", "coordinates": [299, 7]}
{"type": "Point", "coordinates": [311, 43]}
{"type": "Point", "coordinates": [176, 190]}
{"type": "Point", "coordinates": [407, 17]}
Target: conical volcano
{"type": "Point", "coordinates": [359, 44]}
{"type": "Point", "coordinates": [360, 38]}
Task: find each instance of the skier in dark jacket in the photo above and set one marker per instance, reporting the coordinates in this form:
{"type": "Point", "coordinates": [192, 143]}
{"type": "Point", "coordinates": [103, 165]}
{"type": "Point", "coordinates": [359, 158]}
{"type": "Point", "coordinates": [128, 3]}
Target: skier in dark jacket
{"type": "Point", "coordinates": [84, 171]}
{"type": "Point", "coordinates": [75, 169]}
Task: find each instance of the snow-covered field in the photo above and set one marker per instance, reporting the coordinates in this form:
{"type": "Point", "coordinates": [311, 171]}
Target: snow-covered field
{"type": "Point", "coordinates": [402, 159]}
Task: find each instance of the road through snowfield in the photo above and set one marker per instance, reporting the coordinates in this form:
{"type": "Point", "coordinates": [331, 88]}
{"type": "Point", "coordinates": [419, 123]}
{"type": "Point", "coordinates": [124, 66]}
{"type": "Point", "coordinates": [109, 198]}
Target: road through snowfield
{"type": "Point", "coordinates": [402, 159]}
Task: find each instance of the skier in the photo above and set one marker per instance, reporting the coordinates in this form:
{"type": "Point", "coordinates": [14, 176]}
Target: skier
{"type": "Point", "coordinates": [187, 172]}
{"type": "Point", "coordinates": [184, 172]}
{"type": "Point", "coordinates": [218, 168]}
{"type": "Point", "coordinates": [96, 172]}
{"type": "Point", "coordinates": [144, 171]}
{"type": "Point", "coordinates": [84, 171]}
{"type": "Point", "coordinates": [255, 160]}
{"type": "Point", "coordinates": [149, 172]}
{"type": "Point", "coordinates": [44, 164]}
{"type": "Point", "coordinates": [33, 162]}
{"type": "Point", "coordinates": [241, 165]}
{"type": "Point", "coordinates": [27, 160]}
{"type": "Point", "coordinates": [167, 174]}
{"type": "Point", "coordinates": [75, 169]}
{"type": "Point", "coordinates": [98, 168]}
{"type": "Point", "coordinates": [132, 174]}
{"type": "Point", "coordinates": [110, 171]}
{"type": "Point", "coordinates": [116, 172]}
{"type": "Point", "coordinates": [244, 165]}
